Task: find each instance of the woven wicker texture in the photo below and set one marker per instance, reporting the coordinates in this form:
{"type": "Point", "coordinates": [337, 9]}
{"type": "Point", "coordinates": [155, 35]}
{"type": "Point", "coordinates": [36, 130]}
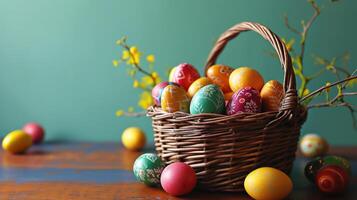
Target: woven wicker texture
{"type": "Point", "coordinates": [224, 149]}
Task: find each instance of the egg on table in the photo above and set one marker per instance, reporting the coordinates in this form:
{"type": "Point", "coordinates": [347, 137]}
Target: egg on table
{"type": "Point", "coordinates": [246, 100]}
{"type": "Point", "coordinates": [272, 93]}
{"type": "Point", "coordinates": [184, 75]}
{"type": "Point", "coordinates": [313, 145]}
{"type": "Point", "coordinates": [133, 138]}
{"type": "Point", "coordinates": [157, 91]}
{"type": "Point", "coordinates": [197, 85]}
{"type": "Point", "coordinates": [208, 99]}
{"type": "Point", "coordinates": [36, 131]}
{"type": "Point", "coordinates": [268, 183]}
{"type": "Point", "coordinates": [17, 142]}
{"type": "Point", "coordinates": [178, 179]}
{"type": "Point", "coordinates": [174, 98]}
{"type": "Point", "coordinates": [332, 179]}
{"type": "Point", "coordinates": [313, 166]}
{"type": "Point", "coordinates": [219, 75]}
{"type": "Point", "coordinates": [245, 77]}
{"type": "Point", "coordinates": [147, 169]}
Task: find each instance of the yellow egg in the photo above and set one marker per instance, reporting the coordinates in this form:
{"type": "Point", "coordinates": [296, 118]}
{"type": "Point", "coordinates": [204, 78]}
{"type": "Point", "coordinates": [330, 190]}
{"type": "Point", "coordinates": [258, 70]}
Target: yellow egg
{"type": "Point", "coordinates": [272, 93]}
{"type": "Point", "coordinates": [245, 77]}
{"type": "Point", "coordinates": [171, 74]}
{"type": "Point", "coordinates": [268, 183]}
{"type": "Point", "coordinates": [174, 98]}
{"type": "Point", "coordinates": [197, 85]}
{"type": "Point", "coordinates": [17, 142]}
{"type": "Point", "coordinates": [133, 138]}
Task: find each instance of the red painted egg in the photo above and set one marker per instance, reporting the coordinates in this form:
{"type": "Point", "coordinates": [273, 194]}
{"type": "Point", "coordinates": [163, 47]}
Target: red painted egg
{"type": "Point", "coordinates": [185, 74]}
{"type": "Point", "coordinates": [332, 179]}
{"type": "Point", "coordinates": [157, 91]}
{"type": "Point", "coordinates": [35, 131]}
{"type": "Point", "coordinates": [246, 100]}
{"type": "Point", "coordinates": [178, 179]}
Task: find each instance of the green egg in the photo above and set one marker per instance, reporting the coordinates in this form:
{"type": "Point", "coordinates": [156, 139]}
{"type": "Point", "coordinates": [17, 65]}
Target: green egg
{"type": "Point", "coordinates": [209, 99]}
{"type": "Point", "coordinates": [147, 169]}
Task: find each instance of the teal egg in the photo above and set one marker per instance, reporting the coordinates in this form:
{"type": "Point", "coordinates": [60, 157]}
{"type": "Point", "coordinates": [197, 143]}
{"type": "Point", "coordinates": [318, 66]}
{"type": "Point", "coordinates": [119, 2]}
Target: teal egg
{"type": "Point", "coordinates": [147, 169]}
{"type": "Point", "coordinates": [209, 99]}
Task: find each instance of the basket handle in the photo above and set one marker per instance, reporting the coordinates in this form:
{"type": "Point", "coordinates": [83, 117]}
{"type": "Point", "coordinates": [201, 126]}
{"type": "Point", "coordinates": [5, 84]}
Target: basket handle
{"type": "Point", "coordinates": [290, 100]}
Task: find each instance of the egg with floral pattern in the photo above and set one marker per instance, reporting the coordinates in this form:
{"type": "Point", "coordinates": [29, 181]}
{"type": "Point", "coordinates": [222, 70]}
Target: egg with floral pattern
{"type": "Point", "coordinates": [174, 98]}
{"type": "Point", "coordinates": [184, 75]}
{"type": "Point", "coordinates": [197, 85]}
{"type": "Point", "coordinates": [209, 99]}
{"type": "Point", "coordinates": [157, 91]}
{"type": "Point", "coordinates": [313, 145]}
{"type": "Point", "coordinates": [246, 100]}
{"type": "Point", "coordinates": [147, 169]}
{"type": "Point", "coordinates": [219, 75]}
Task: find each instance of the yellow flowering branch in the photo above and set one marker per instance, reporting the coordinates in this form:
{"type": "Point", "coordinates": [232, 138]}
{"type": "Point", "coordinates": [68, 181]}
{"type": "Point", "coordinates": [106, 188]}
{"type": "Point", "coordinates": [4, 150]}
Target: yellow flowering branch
{"type": "Point", "coordinates": [342, 74]}
{"type": "Point", "coordinates": [131, 56]}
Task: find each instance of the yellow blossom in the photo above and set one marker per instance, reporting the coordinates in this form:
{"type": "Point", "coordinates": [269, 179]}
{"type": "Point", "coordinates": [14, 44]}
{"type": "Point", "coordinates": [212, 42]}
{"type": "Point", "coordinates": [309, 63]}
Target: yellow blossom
{"type": "Point", "coordinates": [146, 81]}
{"type": "Point", "coordinates": [119, 113]}
{"type": "Point", "coordinates": [134, 50]}
{"type": "Point", "coordinates": [136, 83]}
{"type": "Point", "coordinates": [145, 100]}
{"type": "Point", "coordinates": [328, 89]}
{"type": "Point", "coordinates": [115, 63]}
{"type": "Point", "coordinates": [306, 92]}
{"type": "Point", "coordinates": [352, 82]}
{"type": "Point", "coordinates": [150, 58]}
{"type": "Point", "coordinates": [125, 55]}
{"type": "Point", "coordinates": [154, 74]}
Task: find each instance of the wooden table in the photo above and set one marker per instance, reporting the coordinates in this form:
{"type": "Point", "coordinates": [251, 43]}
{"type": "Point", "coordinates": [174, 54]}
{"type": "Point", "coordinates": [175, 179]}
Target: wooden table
{"type": "Point", "coordinates": [78, 171]}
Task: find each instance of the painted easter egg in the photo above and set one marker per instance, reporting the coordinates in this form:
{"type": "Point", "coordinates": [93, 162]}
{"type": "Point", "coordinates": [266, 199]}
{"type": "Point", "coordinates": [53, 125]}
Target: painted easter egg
{"type": "Point", "coordinates": [185, 74]}
{"type": "Point", "coordinates": [268, 183]}
{"type": "Point", "coordinates": [272, 93]}
{"type": "Point", "coordinates": [147, 169]}
{"type": "Point", "coordinates": [332, 179]}
{"type": "Point", "coordinates": [36, 131]}
{"type": "Point", "coordinates": [246, 100]}
{"type": "Point", "coordinates": [178, 179]}
{"type": "Point", "coordinates": [197, 85]}
{"type": "Point", "coordinates": [208, 99]}
{"type": "Point", "coordinates": [219, 75]}
{"type": "Point", "coordinates": [171, 74]}
{"type": "Point", "coordinates": [157, 91]}
{"type": "Point", "coordinates": [133, 138]}
{"type": "Point", "coordinates": [245, 77]}
{"type": "Point", "coordinates": [17, 142]}
{"type": "Point", "coordinates": [174, 98]}
{"type": "Point", "coordinates": [313, 145]}
{"type": "Point", "coordinates": [312, 167]}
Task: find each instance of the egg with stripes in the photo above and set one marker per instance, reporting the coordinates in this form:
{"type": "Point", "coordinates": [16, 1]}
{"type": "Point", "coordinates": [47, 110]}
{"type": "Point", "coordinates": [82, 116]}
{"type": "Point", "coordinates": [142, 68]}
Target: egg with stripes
{"type": "Point", "coordinates": [209, 99]}
{"type": "Point", "coordinates": [174, 98]}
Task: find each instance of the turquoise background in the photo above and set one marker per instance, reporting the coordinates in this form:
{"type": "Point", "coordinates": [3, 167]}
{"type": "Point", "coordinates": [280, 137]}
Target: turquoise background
{"type": "Point", "coordinates": [55, 57]}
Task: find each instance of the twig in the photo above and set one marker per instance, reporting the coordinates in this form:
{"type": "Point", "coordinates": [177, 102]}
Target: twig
{"type": "Point", "coordinates": [326, 87]}
{"type": "Point", "coordinates": [134, 114]}
{"type": "Point", "coordinates": [287, 24]}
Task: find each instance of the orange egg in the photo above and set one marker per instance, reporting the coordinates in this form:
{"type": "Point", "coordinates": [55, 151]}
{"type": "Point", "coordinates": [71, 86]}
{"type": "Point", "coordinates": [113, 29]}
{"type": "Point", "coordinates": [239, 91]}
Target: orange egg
{"type": "Point", "coordinates": [228, 96]}
{"type": "Point", "coordinates": [272, 93]}
{"type": "Point", "coordinates": [196, 85]}
{"type": "Point", "coordinates": [174, 98]}
{"type": "Point", "coordinates": [219, 75]}
{"type": "Point", "coordinates": [245, 77]}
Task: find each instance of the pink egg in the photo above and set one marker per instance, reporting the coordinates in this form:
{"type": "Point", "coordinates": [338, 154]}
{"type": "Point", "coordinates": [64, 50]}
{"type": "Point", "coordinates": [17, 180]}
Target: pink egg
{"type": "Point", "coordinates": [157, 91]}
{"type": "Point", "coordinates": [178, 179]}
{"type": "Point", "coordinates": [246, 100]}
{"type": "Point", "coordinates": [35, 131]}
{"type": "Point", "coordinates": [185, 74]}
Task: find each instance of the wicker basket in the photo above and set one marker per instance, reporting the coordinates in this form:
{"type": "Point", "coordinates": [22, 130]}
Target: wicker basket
{"type": "Point", "coordinates": [224, 149]}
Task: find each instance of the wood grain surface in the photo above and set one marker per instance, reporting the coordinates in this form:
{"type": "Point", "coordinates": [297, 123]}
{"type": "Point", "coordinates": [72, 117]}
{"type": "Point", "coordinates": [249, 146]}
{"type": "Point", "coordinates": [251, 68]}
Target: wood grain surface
{"type": "Point", "coordinates": [88, 171]}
